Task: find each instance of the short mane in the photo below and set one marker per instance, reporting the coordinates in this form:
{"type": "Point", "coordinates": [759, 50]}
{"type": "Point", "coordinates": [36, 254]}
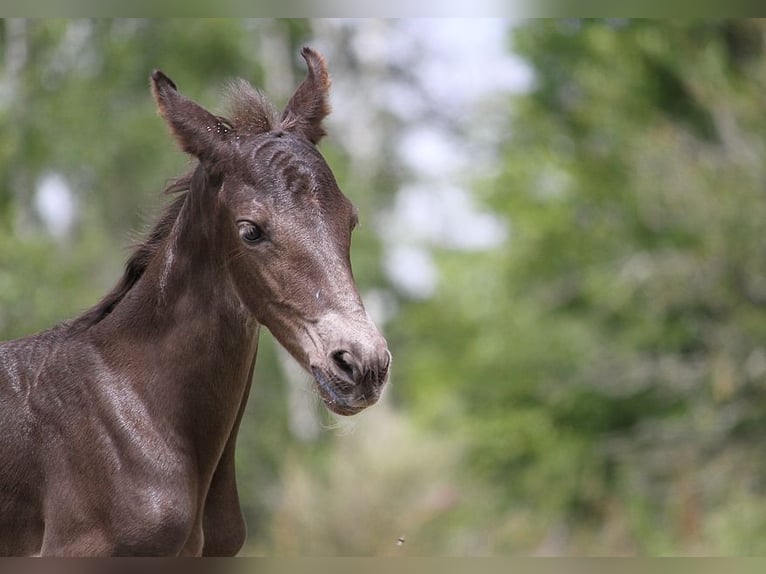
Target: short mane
{"type": "Point", "coordinates": [141, 256]}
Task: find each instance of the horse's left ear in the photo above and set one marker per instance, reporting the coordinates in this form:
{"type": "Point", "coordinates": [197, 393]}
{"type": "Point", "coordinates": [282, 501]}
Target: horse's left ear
{"type": "Point", "coordinates": [198, 132]}
{"type": "Point", "coordinates": [309, 104]}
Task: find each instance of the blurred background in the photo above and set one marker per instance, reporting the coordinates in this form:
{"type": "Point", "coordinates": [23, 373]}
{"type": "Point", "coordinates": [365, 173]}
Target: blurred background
{"type": "Point", "coordinates": [563, 237]}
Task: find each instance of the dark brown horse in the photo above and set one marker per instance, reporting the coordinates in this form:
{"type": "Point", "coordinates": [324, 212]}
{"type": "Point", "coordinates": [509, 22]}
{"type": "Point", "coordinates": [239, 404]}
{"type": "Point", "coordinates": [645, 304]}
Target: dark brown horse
{"type": "Point", "coordinates": [118, 429]}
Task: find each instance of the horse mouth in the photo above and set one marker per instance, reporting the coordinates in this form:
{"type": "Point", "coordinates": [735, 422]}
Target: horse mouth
{"type": "Point", "coordinates": [339, 396]}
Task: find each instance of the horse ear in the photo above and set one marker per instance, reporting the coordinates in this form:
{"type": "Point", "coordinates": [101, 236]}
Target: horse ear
{"type": "Point", "coordinates": [309, 105]}
{"type": "Point", "coordinates": [197, 131]}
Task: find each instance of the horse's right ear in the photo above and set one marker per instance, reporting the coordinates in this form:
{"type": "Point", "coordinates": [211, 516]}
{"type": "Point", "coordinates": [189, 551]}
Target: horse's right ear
{"type": "Point", "coordinates": [197, 131]}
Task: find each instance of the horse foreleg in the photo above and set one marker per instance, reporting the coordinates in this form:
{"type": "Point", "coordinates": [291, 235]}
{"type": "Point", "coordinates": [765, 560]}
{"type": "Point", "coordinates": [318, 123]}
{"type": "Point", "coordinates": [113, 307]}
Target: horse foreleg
{"type": "Point", "coordinates": [223, 524]}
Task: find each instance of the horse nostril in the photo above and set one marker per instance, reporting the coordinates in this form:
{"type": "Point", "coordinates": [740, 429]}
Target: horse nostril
{"type": "Point", "coordinates": [346, 363]}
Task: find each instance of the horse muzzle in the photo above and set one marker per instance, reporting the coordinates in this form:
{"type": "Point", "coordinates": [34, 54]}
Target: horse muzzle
{"type": "Point", "coordinates": [351, 378]}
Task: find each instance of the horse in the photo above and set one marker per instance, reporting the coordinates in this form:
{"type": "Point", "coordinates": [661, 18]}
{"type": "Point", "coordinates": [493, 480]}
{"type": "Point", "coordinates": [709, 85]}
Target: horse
{"type": "Point", "coordinates": [119, 426]}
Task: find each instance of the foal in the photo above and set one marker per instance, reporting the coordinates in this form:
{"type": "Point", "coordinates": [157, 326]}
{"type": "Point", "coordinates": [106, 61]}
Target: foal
{"type": "Point", "coordinates": [118, 428]}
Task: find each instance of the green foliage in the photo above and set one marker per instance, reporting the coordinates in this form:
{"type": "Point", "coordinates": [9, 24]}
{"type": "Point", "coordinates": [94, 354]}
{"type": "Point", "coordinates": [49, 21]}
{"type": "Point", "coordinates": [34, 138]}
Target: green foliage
{"type": "Point", "coordinates": [608, 358]}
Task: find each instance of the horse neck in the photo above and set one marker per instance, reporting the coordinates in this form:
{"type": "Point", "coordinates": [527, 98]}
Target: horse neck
{"type": "Point", "coordinates": [181, 334]}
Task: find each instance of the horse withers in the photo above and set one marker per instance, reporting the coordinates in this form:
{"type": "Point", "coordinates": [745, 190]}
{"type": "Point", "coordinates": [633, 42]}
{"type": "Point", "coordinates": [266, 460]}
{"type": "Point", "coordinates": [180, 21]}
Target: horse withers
{"type": "Point", "coordinates": [119, 427]}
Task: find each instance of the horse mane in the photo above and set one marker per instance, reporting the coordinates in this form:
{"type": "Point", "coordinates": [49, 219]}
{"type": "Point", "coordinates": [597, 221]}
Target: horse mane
{"type": "Point", "coordinates": [142, 255]}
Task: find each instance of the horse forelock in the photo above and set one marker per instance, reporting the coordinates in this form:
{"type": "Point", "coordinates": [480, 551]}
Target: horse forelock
{"type": "Point", "coordinates": [250, 111]}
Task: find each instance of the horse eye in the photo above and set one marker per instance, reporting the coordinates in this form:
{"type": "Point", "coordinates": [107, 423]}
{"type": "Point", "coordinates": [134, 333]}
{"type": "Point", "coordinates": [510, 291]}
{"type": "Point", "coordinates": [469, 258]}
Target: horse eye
{"type": "Point", "coordinates": [249, 232]}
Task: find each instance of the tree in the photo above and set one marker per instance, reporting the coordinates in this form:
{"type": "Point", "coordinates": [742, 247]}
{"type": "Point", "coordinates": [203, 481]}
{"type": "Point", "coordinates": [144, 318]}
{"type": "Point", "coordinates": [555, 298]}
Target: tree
{"type": "Point", "coordinates": [609, 357]}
